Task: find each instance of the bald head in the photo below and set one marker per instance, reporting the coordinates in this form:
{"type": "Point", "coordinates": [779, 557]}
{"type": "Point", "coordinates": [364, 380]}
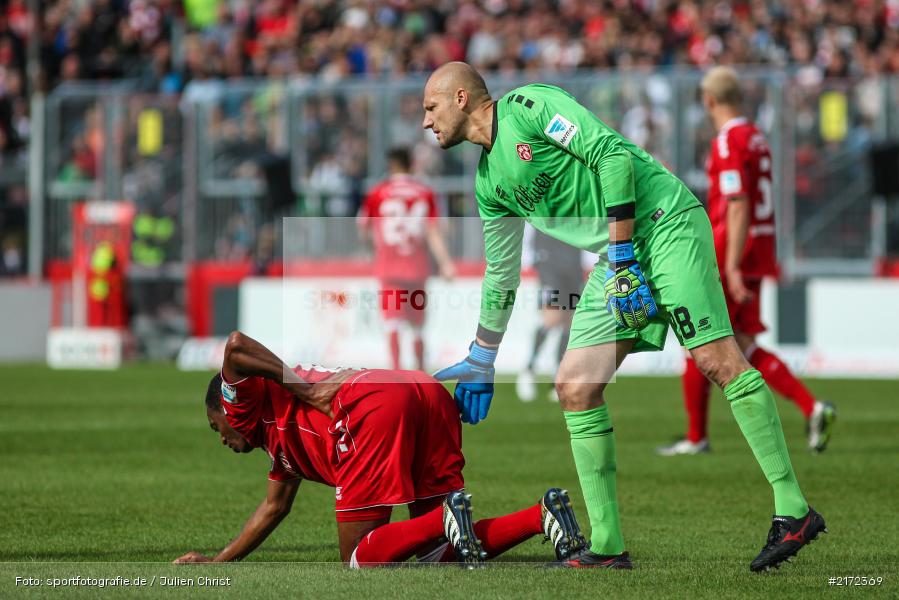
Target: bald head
{"type": "Point", "coordinates": [457, 105]}
{"type": "Point", "coordinates": [453, 76]}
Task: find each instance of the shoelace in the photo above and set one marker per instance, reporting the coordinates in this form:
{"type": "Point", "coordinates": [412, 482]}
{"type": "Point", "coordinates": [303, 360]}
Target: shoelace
{"type": "Point", "coordinates": [775, 534]}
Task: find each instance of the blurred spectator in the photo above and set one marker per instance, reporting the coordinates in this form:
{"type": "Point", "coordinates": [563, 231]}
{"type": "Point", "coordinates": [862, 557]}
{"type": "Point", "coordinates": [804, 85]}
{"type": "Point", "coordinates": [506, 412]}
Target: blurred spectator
{"type": "Point", "coordinates": [341, 38]}
{"type": "Point", "coordinates": [201, 13]}
{"type": "Point", "coordinates": [12, 260]}
{"type": "Point", "coordinates": [192, 47]}
{"type": "Point", "coordinates": [13, 231]}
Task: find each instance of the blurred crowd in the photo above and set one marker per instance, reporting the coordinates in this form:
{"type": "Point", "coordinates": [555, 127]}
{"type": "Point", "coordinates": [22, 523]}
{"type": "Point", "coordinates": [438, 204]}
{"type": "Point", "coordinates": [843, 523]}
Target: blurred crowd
{"type": "Point", "coordinates": [189, 49]}
{"type": "Point", "coordinates": [168, 44]}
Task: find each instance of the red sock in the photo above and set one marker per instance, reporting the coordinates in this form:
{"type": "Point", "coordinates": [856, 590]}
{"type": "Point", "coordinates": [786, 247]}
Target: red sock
{"type": "Point", "coordinates": [395, 349]}
{"type": "Point", "coordinates": [779, 377]}
{"type": "Point", "coordinates": [696, 401]}
{"type": "Point", "coordinates": [502, 533]}
{"type": "Point", "coordinates": [396, 542]}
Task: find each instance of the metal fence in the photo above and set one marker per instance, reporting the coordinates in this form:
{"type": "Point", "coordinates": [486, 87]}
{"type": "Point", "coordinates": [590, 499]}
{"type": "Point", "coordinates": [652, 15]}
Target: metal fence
{"type": "Point", "coordinates": [226, 160]}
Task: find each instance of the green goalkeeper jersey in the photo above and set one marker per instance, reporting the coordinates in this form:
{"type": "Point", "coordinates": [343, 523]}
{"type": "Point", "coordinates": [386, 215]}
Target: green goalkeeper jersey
{"type": "Point", "coordinates": [554, 164]}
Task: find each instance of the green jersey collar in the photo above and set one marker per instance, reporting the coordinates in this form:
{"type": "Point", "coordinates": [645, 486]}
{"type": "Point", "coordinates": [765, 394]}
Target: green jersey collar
{"type": "Point", "coordinates": [495, 127]}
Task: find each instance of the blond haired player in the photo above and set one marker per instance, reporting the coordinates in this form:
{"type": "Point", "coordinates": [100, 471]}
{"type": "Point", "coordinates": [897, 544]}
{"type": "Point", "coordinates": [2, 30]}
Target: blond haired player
{"type": "Point", "coordinates": [741, 208]}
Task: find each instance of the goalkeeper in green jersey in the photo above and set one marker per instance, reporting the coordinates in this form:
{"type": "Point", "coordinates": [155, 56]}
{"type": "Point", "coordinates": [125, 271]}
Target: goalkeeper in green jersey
{"type": "Point", "coordinates": [549, 161]}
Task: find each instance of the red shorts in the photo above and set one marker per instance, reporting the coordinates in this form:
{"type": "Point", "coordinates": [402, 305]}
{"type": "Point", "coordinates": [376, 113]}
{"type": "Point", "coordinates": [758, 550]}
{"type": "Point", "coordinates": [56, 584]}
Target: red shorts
{"type": "Point", "coordinates": [403, 443]}
{"type": "Point", "coordinates": [404, 301]}
{"type": "Point", "coordinates": [747, 317]}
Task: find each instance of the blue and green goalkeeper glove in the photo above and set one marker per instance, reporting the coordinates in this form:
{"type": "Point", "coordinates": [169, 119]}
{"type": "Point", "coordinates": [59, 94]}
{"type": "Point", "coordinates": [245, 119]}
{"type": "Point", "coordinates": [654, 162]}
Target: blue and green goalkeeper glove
{"type": "Point", "coordinates": [474, 390]}
{"type": "Point", "coordinates": [628, 296]}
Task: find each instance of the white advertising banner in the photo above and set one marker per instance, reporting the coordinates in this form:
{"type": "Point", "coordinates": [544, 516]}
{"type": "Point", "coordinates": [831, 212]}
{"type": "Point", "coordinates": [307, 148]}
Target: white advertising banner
{"type": "Point", "coordinates": [81, 348]}
{"type": "Point", "coordinates": [336, 321]}
{"type": "Point", "coordinates": [201, 354]}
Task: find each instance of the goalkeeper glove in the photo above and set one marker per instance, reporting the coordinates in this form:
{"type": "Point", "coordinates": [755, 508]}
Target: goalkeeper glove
{"type": "Point", "coordinates": [628, 296]}
{"type": "Point", "coordinates": [474, 390]}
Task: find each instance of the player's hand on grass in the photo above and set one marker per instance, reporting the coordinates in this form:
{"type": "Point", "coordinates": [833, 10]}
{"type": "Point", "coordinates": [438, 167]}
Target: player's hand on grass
{"type": "Point", "coordinates": [736, 287]}
{"type": "Point", "coordinates": [627, 294]}
{"type": "Point", "coordinates": [474, 390]}
{"type": "Point", "coordinates": [191, 557]}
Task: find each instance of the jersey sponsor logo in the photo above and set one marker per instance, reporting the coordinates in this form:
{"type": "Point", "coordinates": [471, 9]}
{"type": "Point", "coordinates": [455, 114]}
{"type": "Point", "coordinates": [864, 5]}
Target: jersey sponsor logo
{"type": "Point", "coordinates": [530, 196]}
{"type": "Point", "coordinates": [501, 193]}
{"type": "Point", "coordinates": [561, 130]}
{"type": "Point", "coordinates": [524, 152]}
{"type": "Point", "coordinates": [729, 182]}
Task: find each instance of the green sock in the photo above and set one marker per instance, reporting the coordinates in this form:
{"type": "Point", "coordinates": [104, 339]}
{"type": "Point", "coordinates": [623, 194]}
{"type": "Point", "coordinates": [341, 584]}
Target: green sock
{"type": "Point", "coordinates": [753, 407]}
{"type": "Point", "coordinates": [593, 447]}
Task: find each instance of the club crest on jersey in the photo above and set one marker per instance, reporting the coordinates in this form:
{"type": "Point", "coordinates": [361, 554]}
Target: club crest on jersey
{"type": "Point", "coordinates": [524, 152]}
{"type": "Point", "coordinates": [561, 130]}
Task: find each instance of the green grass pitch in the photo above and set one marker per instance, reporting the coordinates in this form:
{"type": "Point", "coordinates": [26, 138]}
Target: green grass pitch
{"type": "Point", "coordinates": [108, 474]}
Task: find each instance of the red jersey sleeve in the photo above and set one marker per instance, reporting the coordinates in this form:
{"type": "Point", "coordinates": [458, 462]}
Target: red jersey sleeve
{"type": "Point", "coordinates": [244, 402]}
{"type": "Point", "coordinates": [732, 172]}
{"type": "Point", "coordinates": [244, 390]}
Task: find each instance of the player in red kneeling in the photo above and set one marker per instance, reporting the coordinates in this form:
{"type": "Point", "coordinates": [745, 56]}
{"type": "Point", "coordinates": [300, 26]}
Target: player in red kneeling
{"type": "Point", "coordinates": [741, 208]}
{"type": "Point", "coordinates": [382, 439]}
{"type": "Point", "coordinates": [402, 213]}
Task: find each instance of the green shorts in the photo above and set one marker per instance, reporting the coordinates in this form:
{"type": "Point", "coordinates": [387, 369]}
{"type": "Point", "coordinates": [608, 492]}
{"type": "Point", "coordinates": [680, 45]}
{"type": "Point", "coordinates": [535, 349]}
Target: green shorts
{"type": "Point", "coordinates": [678, 261]}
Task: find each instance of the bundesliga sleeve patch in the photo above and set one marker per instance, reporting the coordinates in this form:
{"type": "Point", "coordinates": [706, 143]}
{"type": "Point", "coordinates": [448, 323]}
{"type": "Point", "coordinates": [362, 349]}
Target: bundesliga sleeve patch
{"type": "Point", "coordinates": [560, 130]}
{"type": "Point", "coordinates": [229, 393]}
{"type": "Point", "coordinates": [729, 182]}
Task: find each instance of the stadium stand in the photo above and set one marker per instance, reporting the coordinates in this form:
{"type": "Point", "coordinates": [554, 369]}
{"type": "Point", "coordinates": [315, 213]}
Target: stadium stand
{"type": "Point", "coordinates": [231, 113]}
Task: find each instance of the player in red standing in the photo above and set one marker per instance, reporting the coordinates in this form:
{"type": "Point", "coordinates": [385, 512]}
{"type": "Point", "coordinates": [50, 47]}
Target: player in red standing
{"type": "Point", "coordinates": [402, 214]}
{"type": "Point", "coordinates": [741, 208]}
{"type": "Point", "coordinates": [381, 439]}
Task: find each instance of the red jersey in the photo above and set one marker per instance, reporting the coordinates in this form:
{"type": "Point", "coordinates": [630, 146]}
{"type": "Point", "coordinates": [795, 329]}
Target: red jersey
{"type": "Point", "coordinates": [395, 436]}
{"type": "Point", "coordinates": [295, 435]}
{"type": "Point", "coordinates": [399, 211]}
{"type": "Point", "coordinates": [740, 165]}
